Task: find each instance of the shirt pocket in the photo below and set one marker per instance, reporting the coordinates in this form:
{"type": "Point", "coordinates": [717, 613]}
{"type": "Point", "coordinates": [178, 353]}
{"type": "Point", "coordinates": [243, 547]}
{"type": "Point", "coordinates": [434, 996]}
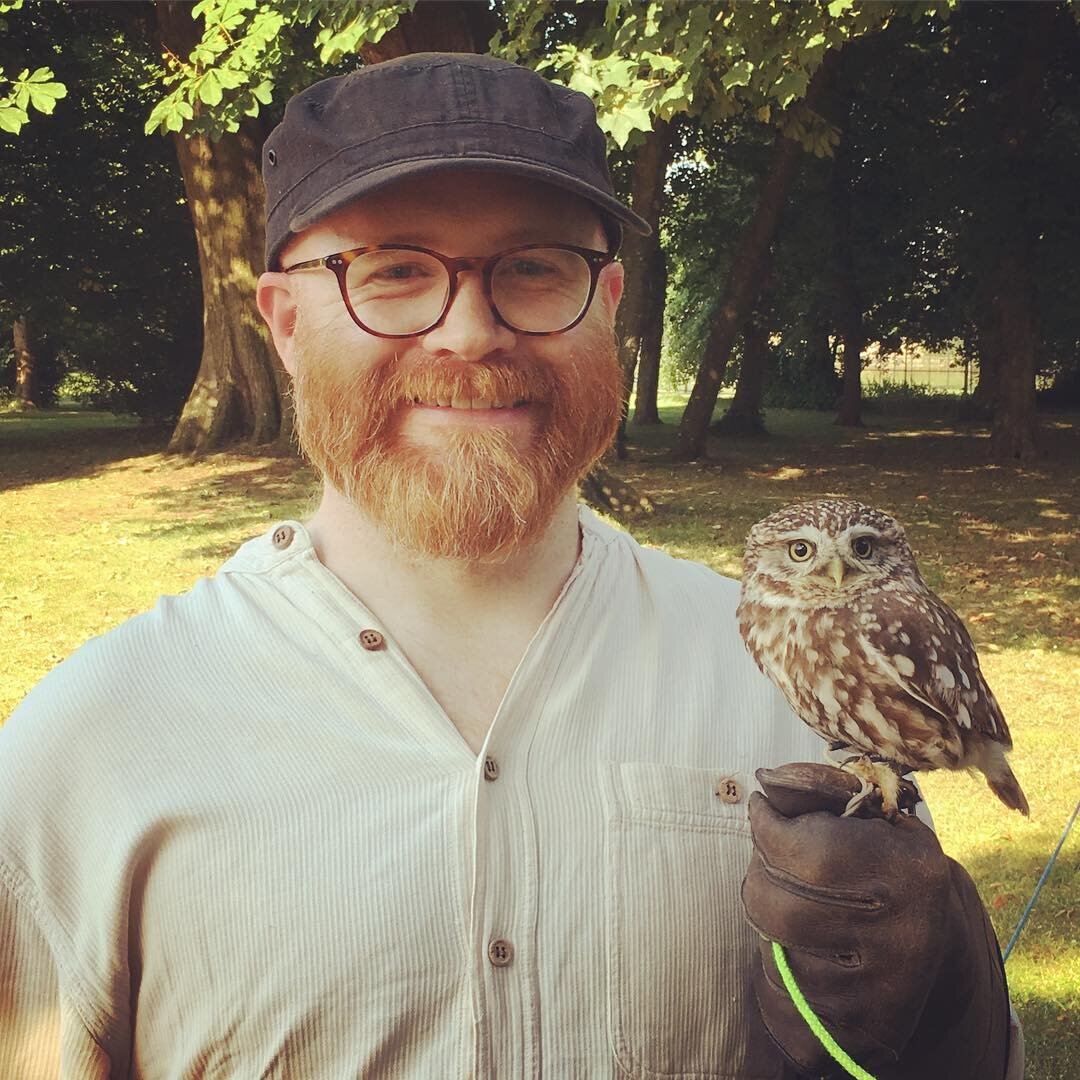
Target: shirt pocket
{"type": "Point", "coordinates": [680, 951]}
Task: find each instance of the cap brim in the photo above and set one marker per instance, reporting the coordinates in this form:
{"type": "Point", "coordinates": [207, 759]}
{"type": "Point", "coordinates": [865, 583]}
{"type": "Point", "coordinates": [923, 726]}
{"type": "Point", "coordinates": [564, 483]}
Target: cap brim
{"type": "Point", "coordinates": [357, 187]}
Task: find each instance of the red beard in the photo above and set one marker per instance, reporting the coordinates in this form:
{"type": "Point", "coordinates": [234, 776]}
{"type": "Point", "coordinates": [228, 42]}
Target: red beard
{"type": "Point", "coordinates": [479, 496]}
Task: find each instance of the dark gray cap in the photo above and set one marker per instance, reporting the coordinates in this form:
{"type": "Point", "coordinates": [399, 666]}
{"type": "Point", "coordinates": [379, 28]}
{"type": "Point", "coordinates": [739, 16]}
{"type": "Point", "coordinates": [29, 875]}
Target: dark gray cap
{"type": "Point", "coordinates": [351, 135]}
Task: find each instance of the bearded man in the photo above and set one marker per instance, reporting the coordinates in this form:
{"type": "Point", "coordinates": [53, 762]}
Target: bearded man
{"type": "Point", "coordinates": [451, 780]}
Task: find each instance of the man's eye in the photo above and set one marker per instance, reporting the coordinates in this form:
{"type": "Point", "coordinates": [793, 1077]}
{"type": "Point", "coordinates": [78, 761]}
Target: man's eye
{"type": "Point", "coordinates": [531, 268]}
{"type": "Point", "coordinates": [399, 272]}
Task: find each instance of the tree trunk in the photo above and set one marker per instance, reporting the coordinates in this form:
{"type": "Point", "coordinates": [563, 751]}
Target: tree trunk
{"type": "Point", "coordinates": [638, 254]}
{"type": "Point", "coordinates": [1013, 434]}
{"type": "Point", "coordinates": [740, 292]}
{"type": "Point", "coordinates": [27, 387]}
{"type": "Point", "coordinates": [819, 354]}
{"type": "Point", "coordinates": [848, 305]}
{"type": "Point", "coordinates": [652, 339]}
{"type": "Point", "coordinates": [435, 26]}
{"type": "Point", "coordinates": [850, 413]}
{"type": "Point", "coordinates": [237, 391]}
{"type": "Point", "coordinates": [1023, 115]}
{"type": "Point", "coordinates": [744, 415]}
{"type": "Point", "coordinates": [988, 346]}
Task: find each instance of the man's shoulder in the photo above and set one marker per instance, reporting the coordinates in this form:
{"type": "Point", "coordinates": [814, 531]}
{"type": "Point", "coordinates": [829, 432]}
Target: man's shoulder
{"type": "Point", "coordinates": [108, 675]}
{"type": "Point", "coordinates": [141, 669]}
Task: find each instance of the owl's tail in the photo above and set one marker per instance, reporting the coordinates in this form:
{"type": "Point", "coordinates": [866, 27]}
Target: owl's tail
{"type": "Point", "coordinates": [1000, 777]}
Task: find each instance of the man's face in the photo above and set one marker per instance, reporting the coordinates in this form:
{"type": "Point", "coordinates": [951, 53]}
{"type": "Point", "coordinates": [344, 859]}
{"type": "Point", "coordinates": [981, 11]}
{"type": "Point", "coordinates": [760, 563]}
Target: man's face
{"type": "Point", "coordinates": [449, 480]}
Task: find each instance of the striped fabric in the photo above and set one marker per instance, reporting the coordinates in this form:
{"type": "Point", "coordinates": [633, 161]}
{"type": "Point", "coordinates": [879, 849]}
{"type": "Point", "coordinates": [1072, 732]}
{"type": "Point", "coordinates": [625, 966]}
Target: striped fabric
{"type": "Point", "coordinates": [235, 842]}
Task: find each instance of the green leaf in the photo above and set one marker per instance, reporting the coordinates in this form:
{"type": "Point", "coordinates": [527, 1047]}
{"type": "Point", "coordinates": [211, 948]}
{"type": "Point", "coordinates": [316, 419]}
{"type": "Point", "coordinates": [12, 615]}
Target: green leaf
{"type": "Point", "coordinates": [838, 7]}
{"type": "Point", "coordinates": [585, 83]}
{"type": "Point", "coordinates": [12, 118]}
{"type": "Point", "coordinates": [209, 90]}
{"type": "Point", "coordinates": [44, 94]}
{"type": "Point", "coordinates": [738, 75]}
{"type": "Point", "coordinates": [790, 87]}
{"type": "Point", "coordinates": [230, 79]}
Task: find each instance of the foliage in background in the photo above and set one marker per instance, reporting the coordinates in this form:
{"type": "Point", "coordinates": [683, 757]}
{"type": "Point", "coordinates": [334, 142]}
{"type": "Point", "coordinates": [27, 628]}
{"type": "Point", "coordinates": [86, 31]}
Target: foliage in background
{"type": "Point", "coordinates": [28, 90]}
{"type": "Point", "coordinates": [727, 74]}
{"type": "Point", "coordinates": [712, 189]}
{"type": "Point", "coordinates": [918, 204]}
{"type": "Point", "coordinates": [253, 49]}
{"type": "Point", "coordinates": [97, 247]}
{"type": "Point", "coordinates": [712, 61]}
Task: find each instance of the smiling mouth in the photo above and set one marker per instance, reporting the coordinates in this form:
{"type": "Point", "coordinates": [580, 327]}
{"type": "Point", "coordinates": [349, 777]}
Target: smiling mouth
{"type": "Point", "coordinates": [469, 403]}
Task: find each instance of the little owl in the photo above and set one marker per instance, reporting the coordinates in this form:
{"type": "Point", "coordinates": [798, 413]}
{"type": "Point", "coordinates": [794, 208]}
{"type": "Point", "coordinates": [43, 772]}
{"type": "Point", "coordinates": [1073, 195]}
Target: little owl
{"type": "Point", "coordinates": [834, 611]}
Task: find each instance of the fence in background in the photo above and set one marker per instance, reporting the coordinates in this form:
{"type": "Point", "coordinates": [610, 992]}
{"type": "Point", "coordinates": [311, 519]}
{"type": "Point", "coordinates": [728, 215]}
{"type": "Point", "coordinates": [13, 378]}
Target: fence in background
{"type": "Point", "coordinates": [913, 371]}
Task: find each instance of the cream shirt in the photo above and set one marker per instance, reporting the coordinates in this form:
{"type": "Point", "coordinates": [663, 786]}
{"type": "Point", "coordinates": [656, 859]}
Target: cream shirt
{"type": "Point", "coordinates": [238, 841]}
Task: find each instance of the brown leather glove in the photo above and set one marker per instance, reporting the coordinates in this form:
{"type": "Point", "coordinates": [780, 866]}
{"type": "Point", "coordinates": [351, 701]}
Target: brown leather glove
{"type": "Point", "coordinates": [884, 933]}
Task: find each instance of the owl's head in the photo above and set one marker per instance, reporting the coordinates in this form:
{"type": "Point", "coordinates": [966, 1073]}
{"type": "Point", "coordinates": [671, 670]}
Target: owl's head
{"type": "Point", "coordinates": [827, 550]}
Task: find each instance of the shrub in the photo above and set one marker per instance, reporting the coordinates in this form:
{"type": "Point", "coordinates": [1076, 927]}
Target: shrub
{"type": "Point", "coordinates": [909, 399]}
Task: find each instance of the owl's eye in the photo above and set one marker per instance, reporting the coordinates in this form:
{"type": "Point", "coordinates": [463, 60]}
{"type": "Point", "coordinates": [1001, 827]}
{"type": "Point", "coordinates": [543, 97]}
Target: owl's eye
{"type": "Point", "coordinates": [862, 546]}
{"type": "Point", "coordinates": [800, 550]}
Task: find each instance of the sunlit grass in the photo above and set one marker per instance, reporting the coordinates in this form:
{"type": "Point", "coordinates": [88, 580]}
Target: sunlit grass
{"type": "Point", "coordinates": [97, 522]}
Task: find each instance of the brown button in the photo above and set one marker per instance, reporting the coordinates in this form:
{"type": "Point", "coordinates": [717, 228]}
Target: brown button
{"type": "Point", "coordinates": [728, 790]}
{"type": "Point", "coordinates": [491, 769]}
{"type": "Point", "coordinates": [500, 952]}
{"type": "Point", "coordinates": [371, 640]}
{"type": "Point", "coordinates": [283, 536]}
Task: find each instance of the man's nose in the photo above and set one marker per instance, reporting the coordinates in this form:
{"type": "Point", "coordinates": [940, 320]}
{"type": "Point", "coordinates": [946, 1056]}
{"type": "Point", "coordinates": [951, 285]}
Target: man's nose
{"type": "Point", "coordinates": [470, 329]}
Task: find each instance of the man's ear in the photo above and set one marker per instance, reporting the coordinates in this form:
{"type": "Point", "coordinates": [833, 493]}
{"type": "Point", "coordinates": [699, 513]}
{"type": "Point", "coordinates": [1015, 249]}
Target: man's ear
{"type": "Point", "coordinates": [278, 304]}
{"type": "Point", "coordinates": [611, 283]}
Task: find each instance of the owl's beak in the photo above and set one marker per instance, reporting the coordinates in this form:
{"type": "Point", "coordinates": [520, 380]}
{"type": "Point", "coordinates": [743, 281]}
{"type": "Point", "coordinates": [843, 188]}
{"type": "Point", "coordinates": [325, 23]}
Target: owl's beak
{"type": "Point", "coordinates": [836, 569]}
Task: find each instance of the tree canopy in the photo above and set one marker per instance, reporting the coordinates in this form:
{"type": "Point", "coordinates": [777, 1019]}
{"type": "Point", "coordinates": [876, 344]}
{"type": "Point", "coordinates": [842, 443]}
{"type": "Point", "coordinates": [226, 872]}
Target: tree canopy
{"type": "Point", "coordinates": [847, 174]}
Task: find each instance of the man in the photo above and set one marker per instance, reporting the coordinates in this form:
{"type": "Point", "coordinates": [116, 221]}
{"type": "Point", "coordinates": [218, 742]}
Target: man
{"type": "Point", "coordinates": [451, 780]}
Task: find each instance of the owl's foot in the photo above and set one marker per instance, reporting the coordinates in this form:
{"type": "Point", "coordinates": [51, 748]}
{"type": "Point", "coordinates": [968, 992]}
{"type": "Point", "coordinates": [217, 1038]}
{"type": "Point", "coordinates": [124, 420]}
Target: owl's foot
{"type": "Point", "coordinates": [873, 776]}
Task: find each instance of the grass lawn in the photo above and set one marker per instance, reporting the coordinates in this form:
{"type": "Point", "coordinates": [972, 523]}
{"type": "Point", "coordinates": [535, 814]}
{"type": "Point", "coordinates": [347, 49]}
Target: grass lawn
{"type": "Point", "coordinates": [97, 522]}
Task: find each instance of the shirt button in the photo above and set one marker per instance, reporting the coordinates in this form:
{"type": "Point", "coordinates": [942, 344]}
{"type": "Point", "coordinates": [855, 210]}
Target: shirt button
{"type": "Point", "coordinates": [728, 790]}
{"type": "Point", "coordinates": [491, 769]}
{"type": "Point", "coordinates": [282, 536]}
{"type": "Point", "coordinates": [500, 952]}
{"type": "Point", "coordinates": [371, 640]}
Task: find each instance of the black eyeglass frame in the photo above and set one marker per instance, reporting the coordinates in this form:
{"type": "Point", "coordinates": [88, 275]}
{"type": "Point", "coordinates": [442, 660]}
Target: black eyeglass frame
{"type": "Point", "coordinates": [340, 262]}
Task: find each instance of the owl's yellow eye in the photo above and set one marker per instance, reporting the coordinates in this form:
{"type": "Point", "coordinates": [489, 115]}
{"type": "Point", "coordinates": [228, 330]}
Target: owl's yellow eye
{"type": "Point", "coordinates": [800, 550]}
{"type": "Point", "coordinates": [862, 546]}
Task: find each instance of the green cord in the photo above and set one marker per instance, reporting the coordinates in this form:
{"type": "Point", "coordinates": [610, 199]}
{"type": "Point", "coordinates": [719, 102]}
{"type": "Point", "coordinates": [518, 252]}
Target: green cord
{"type": "Point", "coordinates": [816, 1026]}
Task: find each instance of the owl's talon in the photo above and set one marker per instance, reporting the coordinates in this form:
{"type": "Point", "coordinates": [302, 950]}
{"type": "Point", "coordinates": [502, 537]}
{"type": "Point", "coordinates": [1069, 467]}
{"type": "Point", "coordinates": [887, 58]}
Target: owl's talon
{"type": "Point", "coordinates": [873, 776]}
{"type": "Point", "coordinates": [860, 796]}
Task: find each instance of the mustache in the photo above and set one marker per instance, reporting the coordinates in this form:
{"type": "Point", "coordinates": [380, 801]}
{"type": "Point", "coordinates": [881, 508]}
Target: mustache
{"type": "Point", "coordinates": [509, 381]}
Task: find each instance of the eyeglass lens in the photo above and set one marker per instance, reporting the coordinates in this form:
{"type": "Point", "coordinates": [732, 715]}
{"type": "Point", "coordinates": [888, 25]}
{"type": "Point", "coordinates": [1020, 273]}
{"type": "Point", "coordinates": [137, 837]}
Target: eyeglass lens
{"type": "Point", "coordinates": [397, 291]}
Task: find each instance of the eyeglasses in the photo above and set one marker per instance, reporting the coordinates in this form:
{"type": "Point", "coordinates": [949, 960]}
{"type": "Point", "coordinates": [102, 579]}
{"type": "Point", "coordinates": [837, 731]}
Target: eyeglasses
{"type": "Point", "coordinates": [398, 291]}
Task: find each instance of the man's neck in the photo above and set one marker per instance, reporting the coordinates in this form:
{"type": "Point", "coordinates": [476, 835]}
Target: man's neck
{"type": "Point", "coordinates": [400, 585]}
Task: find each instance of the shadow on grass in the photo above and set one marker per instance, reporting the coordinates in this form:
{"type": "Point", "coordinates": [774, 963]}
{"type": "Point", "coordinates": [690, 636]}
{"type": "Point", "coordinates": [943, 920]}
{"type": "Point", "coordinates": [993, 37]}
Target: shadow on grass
{"type": "Point", "coordinates": [210, 512]}
{"type": "Point", "coordinates": [59, 444]}
{"type": "Point", "coordinates": [999, 543]}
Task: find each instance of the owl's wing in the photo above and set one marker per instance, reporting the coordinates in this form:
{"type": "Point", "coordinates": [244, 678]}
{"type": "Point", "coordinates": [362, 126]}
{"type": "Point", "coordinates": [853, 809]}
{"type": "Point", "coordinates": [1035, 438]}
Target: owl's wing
{"type": "Point", "coordinates": [920, 643]}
